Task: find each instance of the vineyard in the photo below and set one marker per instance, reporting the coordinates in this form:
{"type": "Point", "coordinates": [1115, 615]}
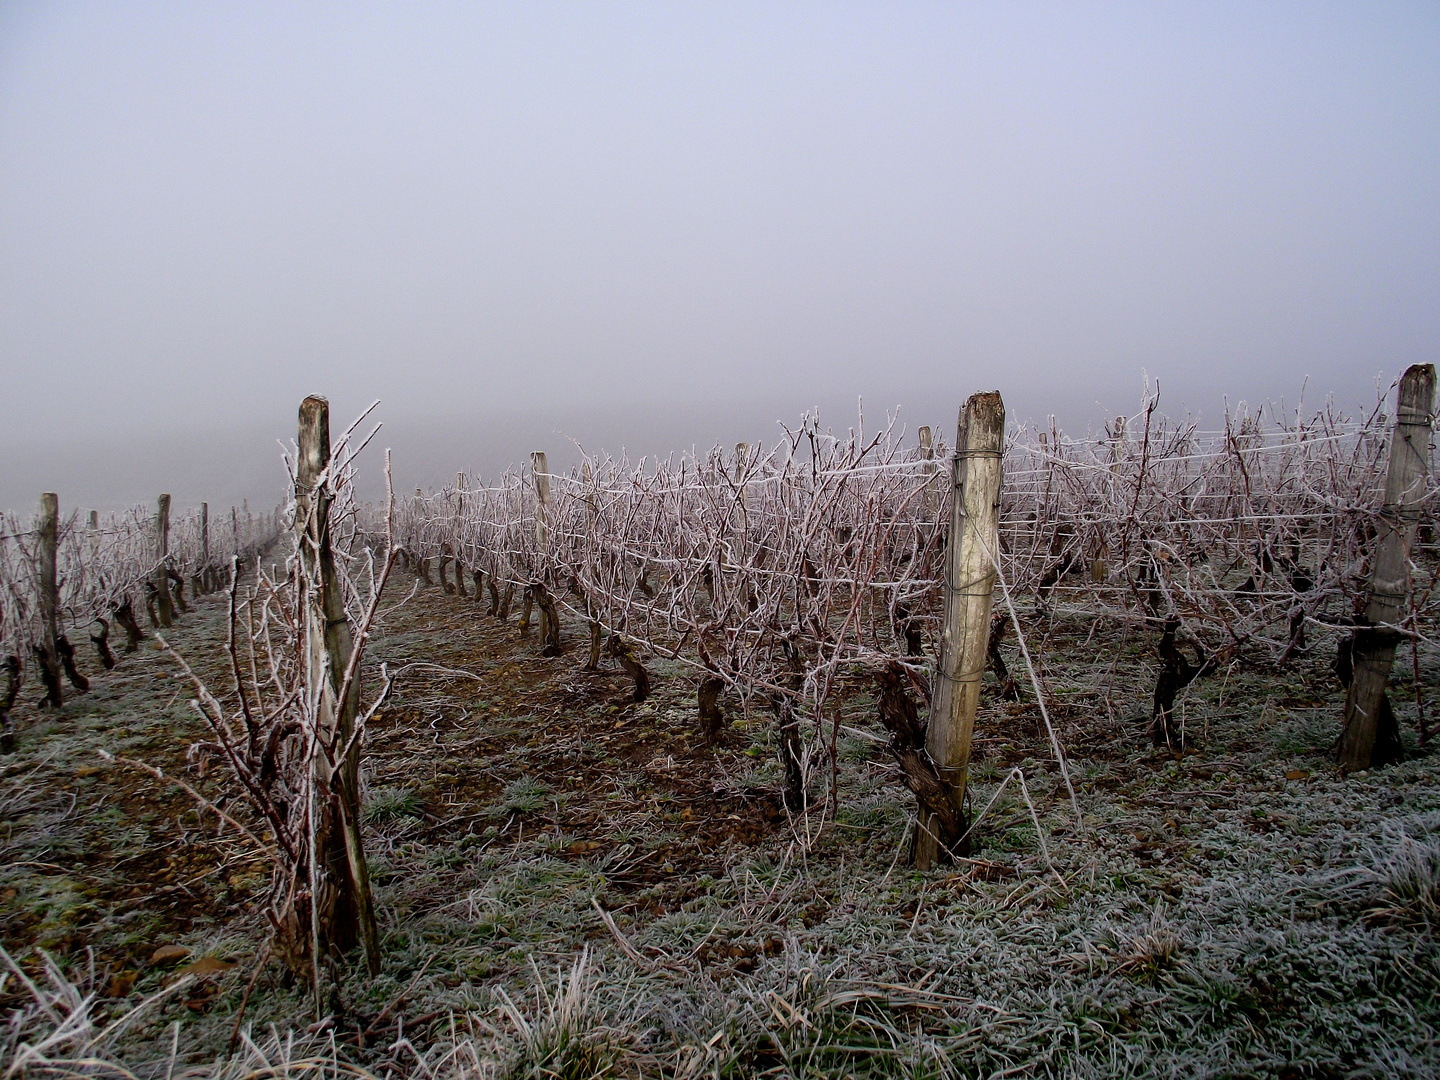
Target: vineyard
{"type": "Point", "coordinates": [58, 575]}
{"type": "Point", "coordinates": [855, 754]}
{"type": "Point", "coordinates": [833, 546]}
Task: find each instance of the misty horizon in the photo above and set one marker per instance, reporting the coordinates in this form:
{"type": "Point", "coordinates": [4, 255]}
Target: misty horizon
{"type": "Point", "coordinates": [654, 228]}
{"type": "Point", "coordinates": [230, 466]}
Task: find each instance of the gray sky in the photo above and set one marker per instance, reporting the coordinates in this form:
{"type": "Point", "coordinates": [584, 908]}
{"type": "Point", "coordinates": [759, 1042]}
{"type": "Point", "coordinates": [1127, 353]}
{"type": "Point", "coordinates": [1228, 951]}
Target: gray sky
{"type": "Point", "coordinates": [511, 220]}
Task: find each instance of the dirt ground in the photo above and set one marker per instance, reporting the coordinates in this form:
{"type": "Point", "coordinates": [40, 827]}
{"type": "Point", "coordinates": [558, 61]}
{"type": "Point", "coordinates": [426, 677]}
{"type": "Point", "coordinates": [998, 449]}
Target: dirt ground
{"type": "Point", "coordinates": [1236, 910]}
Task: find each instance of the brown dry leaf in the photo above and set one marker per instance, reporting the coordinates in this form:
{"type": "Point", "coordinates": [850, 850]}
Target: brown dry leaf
{"type": "Point", "coordinates": [121, 983]}
{"type": "Point", "coordinates": [207, 965]}
{"type": "Point", "coordinates": [1297, 774]}
{"type": "Point", "coordinates": [88, 770]}
{"type": "Point", "coordinates": [168, 954]}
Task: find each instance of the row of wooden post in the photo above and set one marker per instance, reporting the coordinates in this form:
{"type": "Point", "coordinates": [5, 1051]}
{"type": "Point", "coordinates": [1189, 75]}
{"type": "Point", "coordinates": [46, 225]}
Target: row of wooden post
{"type": "Point", "coordinates": [970, 578]}
{"type": "Point", "coordinates": [54, 653]}
{"type": "Point", "coordinates": [970, 581]}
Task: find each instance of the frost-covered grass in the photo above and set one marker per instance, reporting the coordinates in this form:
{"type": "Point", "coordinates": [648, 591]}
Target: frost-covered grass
{"type": "Point", "coordinates": [386, 804]}
{"type": "Point", "coordinates": [1239, 911]}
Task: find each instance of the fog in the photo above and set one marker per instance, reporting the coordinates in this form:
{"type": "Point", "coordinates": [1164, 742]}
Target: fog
{"type": "Point", "coordinates": [663, 226]}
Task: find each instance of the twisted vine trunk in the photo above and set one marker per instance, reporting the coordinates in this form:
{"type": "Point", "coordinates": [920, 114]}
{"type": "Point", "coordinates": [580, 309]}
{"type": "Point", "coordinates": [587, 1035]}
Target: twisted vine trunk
{"type": "Point", "coordinates": [789, 720]}
{"type": "Point", "coordinates": [101, 642]}
{"type": "Point", "coordinates": [712, 719]}
{"type": "Point", "coordinates": [939, 804]}
{"type": "Point", "coordinates": [549, 619]}
{"type": "Point", "coordinates": [66, 652]}
{"type": "Point", "coordinates": [124, 614]}
{"type": "Point", "coordinates": [632, 665]}
{"type": "Point", "coordinates": [12, 690]}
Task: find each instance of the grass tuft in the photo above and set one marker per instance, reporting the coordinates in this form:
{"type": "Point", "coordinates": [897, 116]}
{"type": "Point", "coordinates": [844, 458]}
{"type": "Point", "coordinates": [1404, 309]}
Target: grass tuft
{"type": "Point", "coordinates": [567, 1037]}
{"type": "Point", "coordinates": [1409, 878]}
{"type": "Point", "coordinates": [391, 804]}
{"type": "Point", "coordinates": [1154, 949]}
{"type": "Point", "coordinates": [525, 795]}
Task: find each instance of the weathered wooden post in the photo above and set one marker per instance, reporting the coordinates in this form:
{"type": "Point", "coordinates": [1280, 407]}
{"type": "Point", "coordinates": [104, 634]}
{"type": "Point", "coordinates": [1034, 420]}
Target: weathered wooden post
{"type": "Point", "coordinates": [164, 605]}
{"type": "Point", "coordinates": [417, 518]}
{"type": "Point", "coordinates": [344, 910]}
{"type": "Point", "coordinates": [931, 504]}
{"type": "Point", "coordinates": [973, 540]}
{"type": "Point", "coordinates": [1374, 646]}
{"type": "Point", "coordinates": [459, 519]}
{"type": "Point", "coordinates": [540, 471]}
{"type": "Point", "coordinates": [48, 654]}
{"type": "Point", "coordinates": [742, 460]}
{"type": "Point", "coordinates": [92, 533]}
{"type": "Point", "coordinates": [540, 476]}
{"type": "Point", "coordinates": [205, 545]}
{"type": "Point", "coordinates": [742, 537]}
{"type": "Point", "coordinates": [549, 611]}
{"type": "Point", "coordinates": [592, 506]}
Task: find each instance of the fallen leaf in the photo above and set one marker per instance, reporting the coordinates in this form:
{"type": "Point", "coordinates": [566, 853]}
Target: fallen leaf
{"type": "Point", "coordinates": [1297, 774]}
{"type": "Point", "coordinates": [88, 770]}
{"type": "Point", "coordinates": [168, 954]}
{"type": "Point", "coordinates": [207, 965]}
{"type": "Point", "coordinates": [121, 983]}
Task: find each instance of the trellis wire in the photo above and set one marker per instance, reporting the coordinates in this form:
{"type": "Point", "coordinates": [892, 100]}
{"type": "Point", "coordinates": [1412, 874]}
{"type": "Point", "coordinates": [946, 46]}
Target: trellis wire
{"type": "Point", "coordinates": [832, 542]}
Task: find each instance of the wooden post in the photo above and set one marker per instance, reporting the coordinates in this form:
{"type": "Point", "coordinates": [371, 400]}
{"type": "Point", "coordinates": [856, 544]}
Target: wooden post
{"type": "Point", "coordinates": [970, 583]}
{"type": "Point", "coordinates": [49, 655]}
{"type": "Point", "coordinates": [92, 533]}
{"type": "Point", "coordinates": [540, 470]}
{"type": "Point", "coordinates": [417, 510]}
{"type": "Point", "coordinates": [931, 502]}
{"type": "Point", "coordinates": [459, 519]}
{"type": "Point", "coordinates": [540, 475]}
{"type": "Point", "coordinates": [344, 909]}
{"type": "Point", "coordinates": [742, 539]}
{"type": "Point", "coordinates": [164, 604]}
{"type": "Point", "coordinates": [742, 459]}
{"type": "Point", "coordinates": [1374, 647]}
{"type": "Point", "coordinates": [592, 504]}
